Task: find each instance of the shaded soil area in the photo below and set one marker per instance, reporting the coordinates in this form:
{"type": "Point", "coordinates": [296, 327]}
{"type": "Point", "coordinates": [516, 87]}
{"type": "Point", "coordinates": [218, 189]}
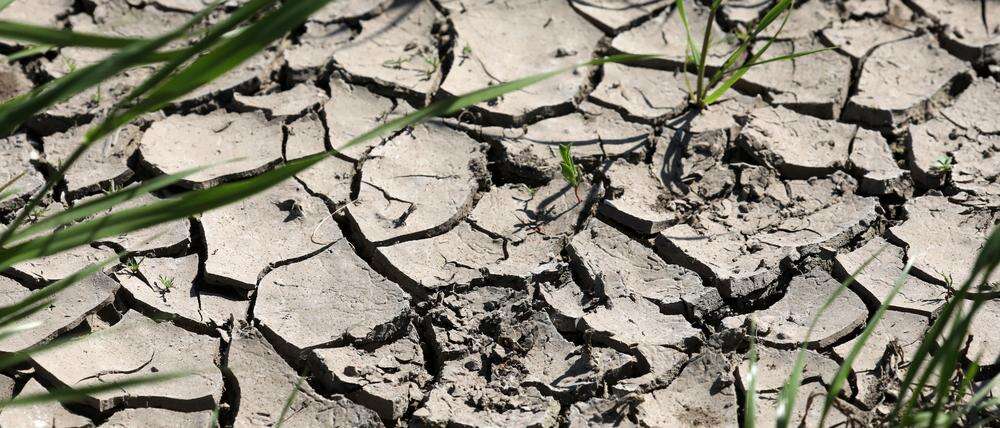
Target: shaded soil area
{"type": "Point", "coordinates": [446, 275]}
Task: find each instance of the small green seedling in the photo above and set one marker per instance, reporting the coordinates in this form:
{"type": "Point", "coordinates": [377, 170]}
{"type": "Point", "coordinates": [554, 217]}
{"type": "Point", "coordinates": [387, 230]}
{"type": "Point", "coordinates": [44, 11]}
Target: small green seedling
{"type": "Point", "coordinates": [711, 87]}
{"type": "Point", "coordinates": [570, 170]}
{"type": "Point", "coordinates": [132, 264]}
{"type": "Point", "coordinates": [167, 282]}
{"type": "Point", "coordinates": [943, 164]}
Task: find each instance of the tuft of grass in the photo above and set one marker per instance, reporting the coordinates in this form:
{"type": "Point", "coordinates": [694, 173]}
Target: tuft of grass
{"type": "Point", "coordinates": [167, 282]}
{"type": "Point", "coordinates": [939, 355]}
{"type": "Point", "coordinates": [709, 85]}
{"type": "Point", "coordinates": [943, 165]}
{"type": "Point", "coordinates": [570, 170]}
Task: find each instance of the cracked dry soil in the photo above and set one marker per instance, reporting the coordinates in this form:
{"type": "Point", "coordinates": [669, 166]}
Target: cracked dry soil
{"type": "Point", "coordinates": [447, 276]}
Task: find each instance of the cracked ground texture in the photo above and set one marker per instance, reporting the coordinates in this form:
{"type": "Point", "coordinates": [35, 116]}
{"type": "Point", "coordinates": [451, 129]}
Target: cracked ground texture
{"type": "Point", "coordinates": [445, 275]}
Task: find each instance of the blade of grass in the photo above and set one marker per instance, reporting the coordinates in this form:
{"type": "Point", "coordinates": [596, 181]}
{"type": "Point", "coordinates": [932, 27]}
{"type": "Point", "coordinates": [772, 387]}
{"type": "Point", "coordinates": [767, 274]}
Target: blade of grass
{"type": "Point", "coordinates": [289, 401]}
{"type": "Point", "coordinates": [845, 368]}
{"type": "Point", "coordinates": [11, 182]}
{"type": "Point", "coordinates": [786, 399]}
{"type": "Point", "coordinates": [48, 36]}
{"type": "Point", "coordinates": [29, 52]}
{"type": "Point", "coordinates": [5, 3]}
{"type": "Point", "coordinates": [950, 355]}
{"type": "Point", "coordinates": [986, 263]}
{"type": "Point", "coordinates": [76, 394]}
{"type": "Point", "coordinates": [750, 415]}
{"type": "Point", "coordinates": [101, 203]}
{"type": "Point", "coordinates": [679, 4]}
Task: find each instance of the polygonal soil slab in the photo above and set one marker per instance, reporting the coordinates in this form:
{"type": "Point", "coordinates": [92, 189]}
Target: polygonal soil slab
{"type": "Point", "coordinates": [664, 36]}
{"type": "Point", "coordinates": [872, 160]}
{"type": "Point", "coordinates": [245, 238]}
{"type": "Point", "coordinates": [103, 166]}
{"type": "Point", "coordinates": [140, 346]}
{"type": "Point", "coordinates": [637, 198]}
{"type": "Point", "coordinates": [239, 145]}
{"type": "Point", "coordinates": [388, 379]}
{"type": "Point", "coordinates": [891, 93]}
{"type": "Point", "coordinates": [16, 154]}
{"type": "Point", "coordinates": [940, 150]}
{"type": "Point", "coordinates": [158, 418]}
{"type": "Point", "coordinates": [167, 287]}
{"type": "Point", "coordinates": [644, 93]}
{"type": "Point", "coordinates": [879, 277]}
{"type": "Point", "coordinates": [305, 60]}
{"type": "Point", "coordinates": [613, 264]}
{"type": "Point", "coordinates": [42, 414]}
{"type": "Point", "coordinates": [594, 133]}
{"type": "Point", "coordinates": [503, 41]}
{"type": "Point", "coordinates": [808, 407]}
{"type": "Point", "coordinates": [886, 353]}
{"type": "Point", "coordinates": [943, 239]}
{"type": "Point", "coordinates": [814, 84]}
{"type": "Point", "coordinates": [784, 324]}
{"type": "Point", "coordinates": [394, 203]}
{"type": "Point", "coordinates": [265, 381]}
{"type": "Point", "coordinates": [810, 18]}
{"type": "Point", "coordinates": [615, 15]}
{"type": "Point", "coordinates": [984, 343]}
{"type": "Point", "coordinates": [66, 311]}
{"type": "Point", "coordinates": [775, 365]}
{"type": "Point", "coordinates": [282, 104]}
{"type": "Point", "coordinates": [397, 49]}
{"type": "Point", "coordinates": [857, 38]}
{"type": "Point", "coordinates": [974, 110]}
{"type": "Point", "coordinates": [969, 27]}
{"type": "Point", "coordinates": [703, 395]}
{"type": "Point", "coordinates": [330, 298]}
{"type": "Point", "coordinates": [797, 146]}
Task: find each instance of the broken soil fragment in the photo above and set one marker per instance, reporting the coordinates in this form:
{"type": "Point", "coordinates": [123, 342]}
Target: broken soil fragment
{"type": "Point", "coordinates": [242, 145]}
{"type": "Point", "coordinates": [394, 203]}
{"type": "Point", "coordinates": [797, 146]}
{"type": "Point", "coordinates": [282, 223]}
{"type": "Point", "coordinates": [890, 93]}
{"type": "Point", "coordinates": [872, 159]}
{"type": "Point", "coordinates": [784, 324]}
{"type": "Point", "coordinates": [501, 41]}
{"type": "Point", "coordinates": [141, 346]}
{"type": "Point", "coordinates": [879, 277]}
{"type": "Point", "coordinates": [704, 393]}
{"type": "Point", "coordinates": [330, 298]}
{"type": "Point", "coordinates": [265, 382]}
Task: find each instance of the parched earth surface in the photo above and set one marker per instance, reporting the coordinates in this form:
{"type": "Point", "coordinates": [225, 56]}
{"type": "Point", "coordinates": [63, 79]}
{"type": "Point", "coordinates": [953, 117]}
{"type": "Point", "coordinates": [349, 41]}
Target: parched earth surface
{"type": "Point", "coordinates": [446, 275]}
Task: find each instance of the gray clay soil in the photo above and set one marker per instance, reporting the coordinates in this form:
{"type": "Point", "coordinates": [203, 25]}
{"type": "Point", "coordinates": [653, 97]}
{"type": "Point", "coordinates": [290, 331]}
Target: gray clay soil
{"type": "Point", "coordinates": [446, 275]}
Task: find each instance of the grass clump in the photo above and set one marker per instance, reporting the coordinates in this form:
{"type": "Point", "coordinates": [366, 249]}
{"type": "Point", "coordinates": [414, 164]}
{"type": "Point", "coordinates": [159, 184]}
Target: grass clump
{"type": "Point", "coordinates": [711, 85]}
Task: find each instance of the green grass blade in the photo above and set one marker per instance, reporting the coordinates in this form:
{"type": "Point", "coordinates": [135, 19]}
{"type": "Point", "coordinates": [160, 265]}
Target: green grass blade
{"type": "Point", "coordinates": [750, 415]}
{"type": "Point", "coordinates": [845, 368]}
{"type": "Point", "coordinates": [289, 401]}
{"type": "Point", "coordinates": [950, 357]}
{"type": "Point", "coordinates": [770, 16]}
{"type": "Point", "coordinates": [76, 394]}
{"type": "Point", "coordinates": [29, 52]}
{"type": "Point", "coordinates": [679, 4]}
{"type": "Point", "coordinates": [786, 399]}
{"type": "Point", "coordinates": [62, 38]}
{"type": "Point", "coordinates": [11, 182]}
{"type": "Point", "coordinates": [84, 210]}
{"type": "Point", "coordinates": [790, 56]}
{"type": "Point", "coordinates": [5, 3]}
